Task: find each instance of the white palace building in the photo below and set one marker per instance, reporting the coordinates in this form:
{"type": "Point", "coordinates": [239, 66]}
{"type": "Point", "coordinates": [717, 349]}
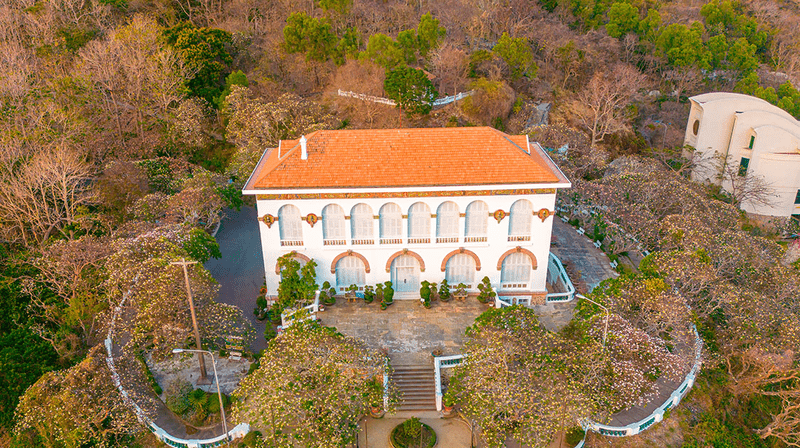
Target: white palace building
{"type": "Point", "coordinates": [406, 205]}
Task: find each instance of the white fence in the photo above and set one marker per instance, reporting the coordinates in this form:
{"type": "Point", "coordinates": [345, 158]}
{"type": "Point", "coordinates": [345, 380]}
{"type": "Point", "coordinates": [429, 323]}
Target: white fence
{"type": "Point", "coordinates": [390, 102]}
{"type": "Point", "coordinates": [238, 431]}
{"type": "Point", "coordinates": [307, 312]}
{"type": "Point", "coordinates": [440, 362]}
{"type": "Point", "coordinates": [556, 275]}
{"type": "Point", "coordinates": [658, 414]}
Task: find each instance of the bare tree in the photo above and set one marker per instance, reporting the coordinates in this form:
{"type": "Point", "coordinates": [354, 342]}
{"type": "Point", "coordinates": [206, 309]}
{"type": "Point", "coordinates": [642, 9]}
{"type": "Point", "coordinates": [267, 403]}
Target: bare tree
{"type": "Point", "coordinates": [40, 195]}
{"type": "Point", "coordinates": [682, 80]}
{"type": "Point", "coordinates": [744, 187]}
{"type": "Point", "coordinates": [601, 105]}
{"type": "Point", "coordinates": [450, 66]}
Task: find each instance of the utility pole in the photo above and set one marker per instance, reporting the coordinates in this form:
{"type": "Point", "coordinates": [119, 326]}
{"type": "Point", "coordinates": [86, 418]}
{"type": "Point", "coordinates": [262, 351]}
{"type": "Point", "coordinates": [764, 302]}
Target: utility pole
{"type": "Point", "coordinates": [204, 380]}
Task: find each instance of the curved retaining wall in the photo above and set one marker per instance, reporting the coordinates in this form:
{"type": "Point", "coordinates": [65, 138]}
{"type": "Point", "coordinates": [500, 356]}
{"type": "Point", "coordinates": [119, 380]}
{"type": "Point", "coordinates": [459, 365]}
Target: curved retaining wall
{"type": "Point", "coordinates": [238, 431]}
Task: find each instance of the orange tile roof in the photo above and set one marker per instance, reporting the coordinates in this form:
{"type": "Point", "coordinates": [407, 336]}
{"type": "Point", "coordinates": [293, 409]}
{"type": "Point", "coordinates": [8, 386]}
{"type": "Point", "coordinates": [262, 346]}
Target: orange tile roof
{"type": "Point", "coordinates": [374, 158]}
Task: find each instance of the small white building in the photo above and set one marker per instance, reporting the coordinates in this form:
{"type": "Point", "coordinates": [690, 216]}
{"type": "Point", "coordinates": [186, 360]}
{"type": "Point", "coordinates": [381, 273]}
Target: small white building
{"type": "Point", "coordinates": [406, 205]}
{"type": "Point", "coordinates": [756, 137]}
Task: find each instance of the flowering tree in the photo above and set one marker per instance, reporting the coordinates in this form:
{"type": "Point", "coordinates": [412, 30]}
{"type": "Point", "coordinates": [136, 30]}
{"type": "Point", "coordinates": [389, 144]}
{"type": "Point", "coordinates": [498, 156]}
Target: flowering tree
{"type": "Point", "coordinates": [516, 380]}
{"type": "Point", "coordinates": [76, 407]}
{"type": "Point", "coordinates": [158, 313]}
{"type": "Point", "coordinates": [298, 283]}
{"type": "Point", "coordinates": [312, 387]}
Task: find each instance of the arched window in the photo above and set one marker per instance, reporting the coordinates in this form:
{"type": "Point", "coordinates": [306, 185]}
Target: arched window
{"type": "Point", "coordinates": [350, 270]}
{"type": "Point", "coordinates": [333, 232]}
{"type": "Point", "coordinates": [391, 224]}
{"type": "Point", "coordinates": [516, 271]}
{"type": "Point", "coordinates": [419, 223]}
{"type": "Point", "coordinates": [361, 224]}
{"type": "Point", "coordinates": [290, 226]}
{"type": "Point", "coordinates": [460, 269]}
{"type": "Point", "coordinates": [475, 227]}
{"type": "Point", "coordinates": [519, 225]}
{"type": "Point", "coordinates": [447, 223]}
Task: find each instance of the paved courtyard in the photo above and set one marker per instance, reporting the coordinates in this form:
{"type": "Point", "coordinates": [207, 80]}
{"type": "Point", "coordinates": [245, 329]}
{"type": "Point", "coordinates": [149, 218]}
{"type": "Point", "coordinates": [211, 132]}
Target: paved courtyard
{"type": "Point", "coordinates": [406, 329]}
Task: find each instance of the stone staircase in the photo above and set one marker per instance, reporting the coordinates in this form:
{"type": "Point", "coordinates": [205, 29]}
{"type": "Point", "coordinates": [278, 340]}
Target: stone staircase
{"type": "Point", "coordinates": [416, 386]}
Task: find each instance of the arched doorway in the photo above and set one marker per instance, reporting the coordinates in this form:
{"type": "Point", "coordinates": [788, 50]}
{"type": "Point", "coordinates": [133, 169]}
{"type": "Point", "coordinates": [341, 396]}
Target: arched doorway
{"type": "Point", "coordinates": [405, 274]}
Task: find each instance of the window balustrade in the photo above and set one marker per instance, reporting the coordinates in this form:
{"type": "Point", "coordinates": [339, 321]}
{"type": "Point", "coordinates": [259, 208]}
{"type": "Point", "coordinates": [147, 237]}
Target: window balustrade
{"type": "Point", "coordinates": [447, 239]}
{"type": "Point", "coordinates": [334, 242]}
{"type": "Point", "coordinates": [475, 239]}
{"type": "Point", "coordinates": [519, 238]}
{"type": "Point", "coordinates": [291, 242]}
{"type": "Point", "coordinates": [363, 241]}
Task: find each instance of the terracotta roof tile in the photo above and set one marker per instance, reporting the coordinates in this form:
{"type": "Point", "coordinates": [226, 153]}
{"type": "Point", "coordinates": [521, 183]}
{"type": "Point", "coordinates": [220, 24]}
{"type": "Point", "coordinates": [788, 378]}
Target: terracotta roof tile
{"type": "Point", "coordinates": [404, 158]}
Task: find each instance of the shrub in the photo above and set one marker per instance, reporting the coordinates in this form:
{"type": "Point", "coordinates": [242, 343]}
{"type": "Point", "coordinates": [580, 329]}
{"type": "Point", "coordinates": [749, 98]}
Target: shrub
{"type": "Point", "coordinates": [444, 291]}
{"type": "Point", "coordinates": [369, 294]}
{"type": "Point", "coordinates": [269, 333]}
{"type": "Point", "coordinates": [486, 293]}
{"type": "Point", "coordinates": [411, 432]}
{"type": "Point", "coordinates": [177, 396]}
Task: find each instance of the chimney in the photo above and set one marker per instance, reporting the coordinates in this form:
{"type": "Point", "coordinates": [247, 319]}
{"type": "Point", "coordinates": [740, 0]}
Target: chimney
{"type": "Point", "coordinates": [303, 148]}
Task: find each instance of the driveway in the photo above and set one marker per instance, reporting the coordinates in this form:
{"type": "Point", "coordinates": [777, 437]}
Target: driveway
{"type": "Point", "coordinates": [240, 271]}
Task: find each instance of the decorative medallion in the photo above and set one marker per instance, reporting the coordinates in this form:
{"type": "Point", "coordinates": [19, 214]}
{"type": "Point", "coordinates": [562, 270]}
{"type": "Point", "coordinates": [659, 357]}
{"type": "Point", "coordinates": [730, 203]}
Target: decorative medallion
{"type": "Point", "coordinates": [312, 219]}
{"type": "Point", "coordinates": [269, 220]}
{"type": "Point", "coordinates": [543, 214]}
{"type": "Point", "coordinates": [499, 215]}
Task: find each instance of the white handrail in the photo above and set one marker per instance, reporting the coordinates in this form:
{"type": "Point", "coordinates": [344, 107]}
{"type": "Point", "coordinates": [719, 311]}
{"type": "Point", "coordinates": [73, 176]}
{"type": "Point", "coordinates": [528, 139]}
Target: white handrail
{"type": "Point", "coordinates": [237, 431]}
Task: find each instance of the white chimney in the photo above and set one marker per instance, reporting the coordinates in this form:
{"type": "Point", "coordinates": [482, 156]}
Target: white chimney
{"type": "Point", "coordinates": [303, 148]}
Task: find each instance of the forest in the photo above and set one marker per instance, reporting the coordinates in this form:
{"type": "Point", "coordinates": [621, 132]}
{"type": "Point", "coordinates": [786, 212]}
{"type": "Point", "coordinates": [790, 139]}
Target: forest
{"type": "Point", "coordinates": [128, 126]}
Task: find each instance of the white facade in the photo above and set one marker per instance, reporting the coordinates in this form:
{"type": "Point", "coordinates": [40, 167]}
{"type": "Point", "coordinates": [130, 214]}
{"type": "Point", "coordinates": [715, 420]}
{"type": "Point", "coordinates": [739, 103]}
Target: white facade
{"type": "Point", "coordinates": [750, 133]}
{"type": "Point", "coordinates": [428, 229]}
{"type": "Point", "coordinates": [487, 239]}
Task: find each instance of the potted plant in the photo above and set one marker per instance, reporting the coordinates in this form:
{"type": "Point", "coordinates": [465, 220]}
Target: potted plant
{"type": "Point", "coordinates": [379, 292]}
{"type": "Point", "coordinates": [448, 403]}
{"type": "Point", "coordinates": [461, 292]}
{"type": "Point", "coordinates": [350, 294]}
{"type": "Point", "coordinates": [327, 295]}
{"type": "Point", "coordinates": [486, 294]}
{"type": "Point", "coordinates": [369, 294]}
{"type": "Point", "coordinates": [262, 308]}
{"type": "Point", "coordinates": [444, 291]}
{"type": "Point", "coordinates": [434, 293]}
{"type": "Point", "coordinates": [388, 294]}
{"type": "Point", "coordinates": [425, 294]}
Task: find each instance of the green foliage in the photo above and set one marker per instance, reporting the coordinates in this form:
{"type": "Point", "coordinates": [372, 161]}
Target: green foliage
{"type": "Point", "coordinates": [312, 36]}
{"type": "Point", "coordinates": [728, 17]}
{"type": "Point", "coordinates": [298, 284]}
{"type": "Point", "coordinates": [486, 294]}
{"type": "Point", "coordinates": [348, 45]}
{"type": "Point", "coordinates": [429, 34]}
{"type": "Point", "coordinates": [412, 433]}
{"type": "Point", "coordinates": [204, 50]}
{"type": "Point", "coordinates": [411, 89]}
{"type": "Point", "coordinates": [24, 357]}
{"type": "Point", "coordinates": [517, 53]}
{"type": "Point", "coordinates": [786, 97]}
{"type": "Point", "coordinates": [327, 294]}
{"type": "Point", "coordinates": [384, 51]}
{"type": "Point", "coordinates": [178, 396]}
{"type": "Point", "coordinates": [149, 374]}
{"type": "Point", "coordinates": [425, 290]}
{"type": "Point", "coordinates": [201, 246]}
{"type": "Point", "coordinates": [340, 6]}
{"type": "Point", "coordinates": [237, 78]}
{"type": "Point", "coordinates": [682, 45]}
{"type": "Point", "coordinates": [444, 291]}
{"type": "Point", "coordinates": [407, 42]}
{"type": "Point", "coordinates": [623, 18]}
{"type": "Point", "coordinates": [369, 294]}
{"type": "Point", "coordinates": [388, 293]}
{"type": "Point", "coordinates": [232, 196]}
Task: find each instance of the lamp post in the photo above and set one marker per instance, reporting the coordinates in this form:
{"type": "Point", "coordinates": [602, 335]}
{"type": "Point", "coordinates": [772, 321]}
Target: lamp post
{"type": "Point", "coordinates": [219, 393]}
{"type": "Point", "coordinates": [203, 375]}
{"type": "Point", "coordinates": [605, 331]}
